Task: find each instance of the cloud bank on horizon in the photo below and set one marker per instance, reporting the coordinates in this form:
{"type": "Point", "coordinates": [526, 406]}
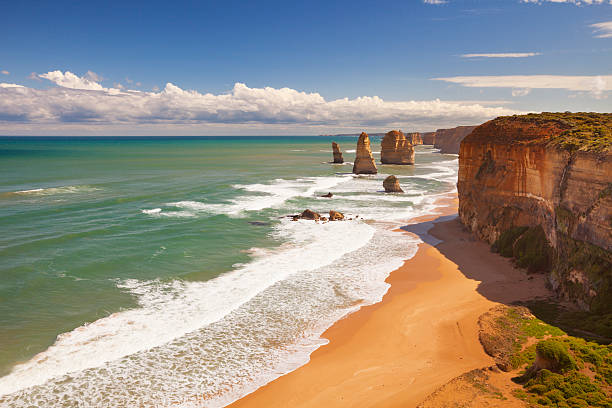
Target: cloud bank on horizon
{"type": "Point", "coordinates": [82, 100]}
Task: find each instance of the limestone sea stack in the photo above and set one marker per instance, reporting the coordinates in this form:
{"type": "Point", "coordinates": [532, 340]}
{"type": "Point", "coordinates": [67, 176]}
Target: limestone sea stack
{"type": "Point", "coordinates": [337, 153]}
{"type": "Point", "coordinates": [414, 138]}
{"type": "Point", "coordinates": [396, 149]}
{"type": "Point", "coordinates": [364, 162]}
{"type": "Point", "coordinates": [391, 185]}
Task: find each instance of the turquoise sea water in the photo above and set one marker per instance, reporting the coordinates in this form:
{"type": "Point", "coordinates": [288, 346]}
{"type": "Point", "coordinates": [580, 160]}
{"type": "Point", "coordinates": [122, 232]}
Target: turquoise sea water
{"type": "Point", "coordinates": [162, 270]}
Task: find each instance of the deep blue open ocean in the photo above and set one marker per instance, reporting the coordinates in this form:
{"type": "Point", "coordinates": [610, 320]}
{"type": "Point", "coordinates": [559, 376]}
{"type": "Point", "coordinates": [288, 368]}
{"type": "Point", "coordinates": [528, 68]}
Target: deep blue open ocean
{"type": "Point", "coordinates": [163, 271]}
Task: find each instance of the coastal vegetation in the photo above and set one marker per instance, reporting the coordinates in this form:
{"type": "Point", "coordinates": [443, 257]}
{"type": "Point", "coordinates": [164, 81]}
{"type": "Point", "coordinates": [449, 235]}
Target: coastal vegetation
{"type": "Point", "coordinates": [555, 369]}
{"type": "Point", "coordinates": [581, 131]}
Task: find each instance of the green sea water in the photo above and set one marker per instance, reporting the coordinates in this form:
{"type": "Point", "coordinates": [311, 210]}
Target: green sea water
{"type": "Point", "coordinates": [87, 222]}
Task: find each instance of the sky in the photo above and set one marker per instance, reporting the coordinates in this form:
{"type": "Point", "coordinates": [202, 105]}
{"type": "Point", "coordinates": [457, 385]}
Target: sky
{"type": "Point", "coordinates": [296, 67]}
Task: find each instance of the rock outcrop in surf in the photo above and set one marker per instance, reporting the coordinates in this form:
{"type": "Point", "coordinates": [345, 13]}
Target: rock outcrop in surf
{"type": "Point", "coordinates": [364, 161]}
{"type": "Point", "coordinates": [392, 185]}
{"type": "Point", "coordinates": [338, 159]}
{"type": "Point", "coordinates": [396, 149]}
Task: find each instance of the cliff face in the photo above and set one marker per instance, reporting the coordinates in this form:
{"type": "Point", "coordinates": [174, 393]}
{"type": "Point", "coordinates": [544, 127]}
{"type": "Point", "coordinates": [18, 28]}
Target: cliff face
{"type": "Point", "coordinates": [396, 149]}
{"type": "Point", "coordinates": [429, 138]}
{"type": "Point", "coordinates": [529, 171]}
{"type": "Point", "coordinates": [448, 140]}
{"type": "Point", "coordinates": [364, 162]}
{"type": "Point", "coordinates": [337, 153]}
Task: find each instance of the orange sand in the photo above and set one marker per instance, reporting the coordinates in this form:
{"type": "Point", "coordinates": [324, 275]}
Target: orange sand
{"type": "Point", "coordinates": [423, 333]}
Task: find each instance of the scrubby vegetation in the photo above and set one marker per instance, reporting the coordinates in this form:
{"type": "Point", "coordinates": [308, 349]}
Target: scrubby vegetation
{"type": "Point", "coordinates": [585, 131]}
{"type": "Point", "coordinates": [528, 246]}
{"type": "Point", "coordinates": [579, 372]}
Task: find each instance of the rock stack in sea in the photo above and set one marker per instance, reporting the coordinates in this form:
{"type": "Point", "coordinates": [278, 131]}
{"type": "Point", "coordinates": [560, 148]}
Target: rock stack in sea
{"type": "Point", "coordinates": [414, 138]}
{"type": "Point", "coordinates": [337, 153]}
{"type": "Point", "coordinates": [364, 162]}
{"type": "Point", "coordinates": [396, 149]}
{"type": "Point", "coordinates": [391, 185]}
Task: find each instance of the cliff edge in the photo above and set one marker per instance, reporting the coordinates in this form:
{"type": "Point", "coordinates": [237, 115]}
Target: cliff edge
{"type": "Point", "coordinates": [539, 188]}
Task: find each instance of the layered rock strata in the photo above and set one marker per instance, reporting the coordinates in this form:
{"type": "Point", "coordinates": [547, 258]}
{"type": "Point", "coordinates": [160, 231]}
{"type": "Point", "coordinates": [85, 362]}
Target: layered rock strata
{"type": "Point", "coordinates": [396, 149]}
{"type": "Point", "coordinates": [539, 187]}
{"type": "Point", "coordinates": [337, 153]}
{"type": "Point", "coordinates": [364, 162]}
{"type": "Point", "coordinates": [391, 185]}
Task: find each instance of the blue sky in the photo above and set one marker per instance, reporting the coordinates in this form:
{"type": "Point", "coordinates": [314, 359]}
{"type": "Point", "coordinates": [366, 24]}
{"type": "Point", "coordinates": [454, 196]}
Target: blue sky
{"type": "Point", "coordinates": [409, 54]}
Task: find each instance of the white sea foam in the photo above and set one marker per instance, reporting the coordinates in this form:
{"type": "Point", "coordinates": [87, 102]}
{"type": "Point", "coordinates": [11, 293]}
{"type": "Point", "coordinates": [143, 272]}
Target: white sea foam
{"type": "Point", "coordinates": [269, 195]}
{"type": "Point", "coordinates": [170, 310]}
{"type": "Point", "coordinates": [56, 190]}
{"type": "Point", "coordinates": [226, 337]}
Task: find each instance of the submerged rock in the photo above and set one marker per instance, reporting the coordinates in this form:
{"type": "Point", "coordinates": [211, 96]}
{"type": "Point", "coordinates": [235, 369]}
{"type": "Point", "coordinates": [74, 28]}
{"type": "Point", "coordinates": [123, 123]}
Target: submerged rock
{"type": "Point", "coordinates": [335, 216]}
{"type": "Point", "coordinates": [391, 185]}
{"type": "Point", "coordinates": [364, 162]}
{"type": "Point", "coordinates": [396, 149]}
{"type": "Point", "coordinates": [337, 153]}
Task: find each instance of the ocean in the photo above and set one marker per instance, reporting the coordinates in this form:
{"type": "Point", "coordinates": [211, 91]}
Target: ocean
{"type": "Point", "coordinates": [164, 271]}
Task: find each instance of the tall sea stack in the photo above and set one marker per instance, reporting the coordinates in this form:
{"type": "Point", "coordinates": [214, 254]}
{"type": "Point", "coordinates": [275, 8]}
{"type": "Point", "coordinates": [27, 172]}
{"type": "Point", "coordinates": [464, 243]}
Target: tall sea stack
{"type": "Point", "coordinates": [364, 162]}
{"type": "Point", "coordinates": [396, 149]}
{"type": "Point", "coordinates": [337, 153]}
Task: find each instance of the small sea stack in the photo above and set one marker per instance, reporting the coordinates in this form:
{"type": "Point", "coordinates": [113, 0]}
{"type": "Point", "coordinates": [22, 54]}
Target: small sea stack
{"type": "Point", "coordinates": [338, 159]}
{"type": "Point", "coordinates": [414, 138]}
{"type": "Point", "coordinates": [396, 149]}
{"type": "Point", "coordinates": [391, 185]}
{"type": "Point", "coordinates": [364, 162]}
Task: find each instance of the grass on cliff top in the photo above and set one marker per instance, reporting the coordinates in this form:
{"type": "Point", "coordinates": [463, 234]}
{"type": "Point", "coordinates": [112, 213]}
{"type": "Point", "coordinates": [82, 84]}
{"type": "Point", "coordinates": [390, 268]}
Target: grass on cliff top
{"type": "Point", "coordinates": [587, 131]}
{"type": "Point", "coordinates": [585, 375]}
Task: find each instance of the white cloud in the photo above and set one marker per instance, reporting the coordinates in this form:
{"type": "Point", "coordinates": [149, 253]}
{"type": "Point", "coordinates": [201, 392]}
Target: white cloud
{"type": "Point", "coordinates": [502, 55]}
{"type": "Point", "coordinates": [521, 92]}
{"type": "Point", "coordinates": [603, 30]}
{"type": "Point", "coordinates": [69, 80]}
{"type": "Point", "coordinates": [34, 76]}
{"type": "Point", "coordinates": [435, 1]}
{"type": "Point", "coordinates": [5, 85]}
{"type": "Point", "coordinates": [79, 100]}
{"type": "Point", "coordinates": [597, 85]}
{"type": "Point", "coordinates": [5, 72]}
{"type": "Point", "coordinates": [576, 2]}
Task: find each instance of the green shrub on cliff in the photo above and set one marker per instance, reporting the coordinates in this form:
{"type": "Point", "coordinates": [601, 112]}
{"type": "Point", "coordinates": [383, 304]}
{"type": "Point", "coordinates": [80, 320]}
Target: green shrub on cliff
{"type": "Point", "coordinates": [506, 241]}
{"type": "Point", "coordinates": [531, 250]}
{"type": "Point", "coordinates": [557, 354]}
{"type": "Point", "coordinates": [528, 246]}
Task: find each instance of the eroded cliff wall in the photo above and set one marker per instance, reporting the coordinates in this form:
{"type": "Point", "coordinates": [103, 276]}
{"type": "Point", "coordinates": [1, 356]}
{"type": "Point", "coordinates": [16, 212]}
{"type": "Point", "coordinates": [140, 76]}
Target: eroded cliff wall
{"type": "Point", "coordinates": [531, 171]}
{"type": "Point", "coordinates": [449, 140]}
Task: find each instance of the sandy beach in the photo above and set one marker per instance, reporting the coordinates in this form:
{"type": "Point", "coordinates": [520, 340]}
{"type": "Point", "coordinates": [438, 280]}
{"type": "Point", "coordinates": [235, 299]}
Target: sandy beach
{"type": "Point", "coordinates": [423, 334]}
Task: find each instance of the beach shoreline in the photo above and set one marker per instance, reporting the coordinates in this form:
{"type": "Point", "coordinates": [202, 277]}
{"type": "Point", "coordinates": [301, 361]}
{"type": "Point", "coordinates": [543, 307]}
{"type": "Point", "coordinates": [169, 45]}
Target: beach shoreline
{"type": "Point", "coordinates": [421, 335]}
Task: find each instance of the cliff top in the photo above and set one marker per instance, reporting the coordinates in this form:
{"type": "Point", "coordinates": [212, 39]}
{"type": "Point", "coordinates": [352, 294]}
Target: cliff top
{"type": "Point", "coordinates": [580, 131]}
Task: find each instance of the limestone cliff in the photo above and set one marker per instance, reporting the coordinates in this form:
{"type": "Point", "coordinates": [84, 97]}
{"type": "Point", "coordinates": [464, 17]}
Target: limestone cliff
{"type": "Point", "coordinates": [429, 138]}
{"type": "Point", "coordinates": [364, 162]}
{"type": "Point", "coordinates": [448, 140]}
{"type": "Point", "coordinates": [337, 153]}
{"type": "Point", "coordinates": [396, 149]}
{"type": "Point", "coordinates": [539, 187]}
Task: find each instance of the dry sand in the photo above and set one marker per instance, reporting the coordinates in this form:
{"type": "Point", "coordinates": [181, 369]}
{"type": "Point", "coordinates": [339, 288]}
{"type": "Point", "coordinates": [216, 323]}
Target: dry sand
{"type": "Point", "coordinates": [420, 336]}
